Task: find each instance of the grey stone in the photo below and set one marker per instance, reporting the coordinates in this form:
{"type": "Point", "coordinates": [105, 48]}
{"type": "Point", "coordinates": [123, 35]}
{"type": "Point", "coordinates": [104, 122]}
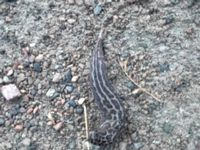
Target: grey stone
{"type": "Point", "coordinates": [131, 85]}
{"type": "Point", "coordinates": [6, 79]}
{"type": "Point", "coordinates": [79, 110]}
{"type": "Point", "coordinates": [68, 76]}
{"type": "Point", "coordinates": [69, 89]}
{"type": "Point", "coordinates": [20, 77]}
{"type": "Point", "coordinates": [2, 121]}
{"type": "Point", "coordinates": [37, 67]}
{"type": "Point", "coordinates": [137, 146]}
{"type": "Point", "coordinates": [26, 142]}
{"type": "Point", "coordinates": [71, 103]}
{"type": "Point", "coordinates": [98, 9]}
{"type": "Point", "coordinates": [50, 92]}
{"type": "Point", "coordinates": [167, 127]}
{"type": "Point", "coordinates": [56, 78]}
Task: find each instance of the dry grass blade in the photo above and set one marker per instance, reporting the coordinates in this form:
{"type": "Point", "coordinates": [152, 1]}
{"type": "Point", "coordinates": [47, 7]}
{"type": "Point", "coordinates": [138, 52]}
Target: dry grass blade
{"type": "Point", "coordinates": [123, 66]}
{"type": "Point", "coordinates": [86, 125]}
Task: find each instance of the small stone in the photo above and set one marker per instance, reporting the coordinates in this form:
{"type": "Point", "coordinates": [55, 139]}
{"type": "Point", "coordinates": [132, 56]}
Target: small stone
{"type": "Point", "coordinates": [167, 128]}
{"type": "Point", "coordinates": [31, 58]}
{"type": "Point", "coordinates": [10, 72]}
{"type": "Point", "coordinates": [164, 67]}
{"type": "Point", "coordinates": [14, 110]}
{"type": "Point", "coordinates": [26, 142]}
{"type": "Point", "coordinates": [2, 121]}
{"type": "Point", "coordinates": [71, 2]}
{"type": "Point", "coordinates": [37, 67]}
{"type": "Point", "coordinates": [10, 92]}
{"type": "Point", "coordinates": [79, 110]}
{"type": "Point", "coordinates": [22, 110]}
{"type": "Point", "coordinates": [115, 18]}
{"type": "Point", "coordinates": [50, 92]}
{"type": "Point", "coordinates": [79, 2]}
{"type": "Point", "coordinates": [69, 88]}
{"type": "Point", "coordinates": [18, 128]}
{"type": "Point", "coordinates": [137, 91]}
{"type": "Point", "coordinates": [39, 58]}
{"type": "Point", "coordinates": [81, 101]}
{"type": "Point", "coordinates": [72, 144]}
{"type": "Point", "coordinates": [56, 78]}
{"type": "Point", "coordinates": [20, 77]}
{"type": "Point", "coordinates": [6, 79]}
{"type": "Point", "coordinates": [35, 110]}
{"type": "Point", "coordinates": [71, 103]}
{"type": "Point", "coordinates": [30, 110]}
{"type": "Point", "coordinates": [58, 126]}
{"type": "Point", "coordinates": [75, 78]}
{"type": "Point", "coordinates": [68, 75]}
{"type": "Point", "coordinates": [50, 123]}
{"type": "Point", "coordinates": [71, 21]}
{"type": "Point", "coordinates": [98, 9]}
{"type": "Point", "coordinates": [168, 19]}
{"type": "Point", "coordinates": [137, 146]}
{"type": "Point", "coordinates": [131, 85]}
{"type": "Point", "coordinates": [50, 117]}
{"type": "Point", "coordinates": [122, 145]}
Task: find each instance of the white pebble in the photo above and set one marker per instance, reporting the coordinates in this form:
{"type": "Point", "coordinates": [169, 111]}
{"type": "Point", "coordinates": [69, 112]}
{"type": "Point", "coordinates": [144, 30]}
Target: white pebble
{"type": "Point", "coordinates": [56, 78]}
{"type": "Point", "coordinates": [75, 78]}
{"type": "Point", "coordinates": [81, 101]}
{"type": "Point", "coordinates": [10, 92]}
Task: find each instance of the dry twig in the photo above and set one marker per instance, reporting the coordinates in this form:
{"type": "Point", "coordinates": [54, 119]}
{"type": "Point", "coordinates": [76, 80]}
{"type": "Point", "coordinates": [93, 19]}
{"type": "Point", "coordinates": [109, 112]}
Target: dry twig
{"type": "Point", "coordinates": [123, 66]}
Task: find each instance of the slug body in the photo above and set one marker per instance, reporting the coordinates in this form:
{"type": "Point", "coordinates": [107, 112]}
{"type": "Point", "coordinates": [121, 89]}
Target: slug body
{"type": "Point", "coordinates": [107, 99]}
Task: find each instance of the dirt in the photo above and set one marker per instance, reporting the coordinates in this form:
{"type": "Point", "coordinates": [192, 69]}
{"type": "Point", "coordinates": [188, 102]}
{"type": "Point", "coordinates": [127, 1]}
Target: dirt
{"type": "Point", "coordinates": [157, 41]}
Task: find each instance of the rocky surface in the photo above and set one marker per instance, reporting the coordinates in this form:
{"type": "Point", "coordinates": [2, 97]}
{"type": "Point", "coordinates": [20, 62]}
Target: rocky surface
{"type": "Point", "coordinates": [45, 50]}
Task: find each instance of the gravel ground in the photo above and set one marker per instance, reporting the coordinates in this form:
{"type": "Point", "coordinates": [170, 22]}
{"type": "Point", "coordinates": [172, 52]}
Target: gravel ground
{"type": "Point", "coordinates": [45, 50]}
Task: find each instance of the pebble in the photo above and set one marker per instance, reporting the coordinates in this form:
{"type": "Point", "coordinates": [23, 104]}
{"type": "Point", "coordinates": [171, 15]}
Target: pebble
{"type": "Point", "coordinates": [122, 145]}
{"type": "Point", "coordinates": [50, 92]}
{"type": "Point", "coordinates": [168, 19]}
{"type": "Point", "coordinates": [58, 126]}
{"type": "Point", "coordinates": [72, 144]}
{"type": "Point", "coordinates": [6, 79]}
{"type": "Point", "coordinates": [37, 67]}
{"type": "Point", "coordinates": [10, 72]}
{"type": "Point", "coordinates": [35, 110]}
{"type": "Point", "coordinates": [10, 92]}
{"type": "Point", "coordinates": [2, 121]}
{"type": "Point", "coordinates": [71, 21]}
{"type": "Point", "coordinates": [14, 110]}
{"type": "Point", "coordinates": [167, 128]}
{"type": "Point", "coordinates": [69, 89]}
{"type": "Point", "coordinates": [138, 146]}
{"type": "Point", "coordinates": [18, 127]}
{"type": "Point", "coordinates": [26, 142]}
{"type": "Point", "coordinates": [39, 58]}
{"type": "Point", "coordinates": [131, 85]}
{"type": "Point", "coordinates": [74, 78]}
{"type": "Point", "coordinates": [79, 110]}
{"type": "Point", "coordinates": [56, 78]}
{"type": "Point", "coordinates": [30, 110]}
{"type": "Point", "coordinates": [68, 75]}
{"type": "Point", "coordinates": [164, 67]}
{"type": "Point", "coordinates": [20, 77]}
{"type": "Point", "coordinates": [98, 9]}
{"type": "Point", "coordinates": [81, 101]}
{"type": "Point", "coordinates": [71, 103]}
